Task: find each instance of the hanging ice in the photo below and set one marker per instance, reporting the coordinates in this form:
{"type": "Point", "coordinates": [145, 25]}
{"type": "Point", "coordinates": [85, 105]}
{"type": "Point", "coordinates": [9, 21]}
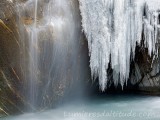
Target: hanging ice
{"type": "Point", "coordinates": [113, 28]}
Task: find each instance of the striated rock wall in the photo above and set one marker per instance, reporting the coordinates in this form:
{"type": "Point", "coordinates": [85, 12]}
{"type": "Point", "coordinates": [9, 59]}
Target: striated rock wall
{"type": "Point", "coordinates": [63, 55]}
{"type": "Point", "coordinates": [10, 70]}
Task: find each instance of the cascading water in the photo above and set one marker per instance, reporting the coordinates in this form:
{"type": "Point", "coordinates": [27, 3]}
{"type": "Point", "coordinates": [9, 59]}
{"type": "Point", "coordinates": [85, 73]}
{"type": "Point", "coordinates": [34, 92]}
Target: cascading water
{"type": "Point", "coordinates": [53, 44]}
{"type": "Point", "coordinates": [33, 57]}
{"type": "Point", "coordinates": [113, 29]}
{"type": "Point", "coordinates": [53, 40]}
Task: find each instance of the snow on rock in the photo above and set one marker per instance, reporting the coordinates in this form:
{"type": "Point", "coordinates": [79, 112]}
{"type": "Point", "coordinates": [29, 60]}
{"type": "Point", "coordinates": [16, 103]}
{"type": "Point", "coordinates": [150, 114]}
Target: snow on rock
{"type": "Point", "coordinates": [113, 29]}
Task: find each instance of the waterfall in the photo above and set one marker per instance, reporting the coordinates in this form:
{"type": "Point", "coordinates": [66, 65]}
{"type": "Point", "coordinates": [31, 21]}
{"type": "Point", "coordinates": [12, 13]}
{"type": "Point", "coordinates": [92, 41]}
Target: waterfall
{"type": "Point", "coordinates": [33, 57]}
{"type": "Point", "coordinates": [113, 29]}
{"type": "Point", "coordinates": [54, 57]}
{"type": "Point", "coordinates": [53, 47]}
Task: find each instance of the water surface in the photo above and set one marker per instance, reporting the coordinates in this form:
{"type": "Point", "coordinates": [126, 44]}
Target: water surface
{"type": "Point", "coordinates": [111, 107]}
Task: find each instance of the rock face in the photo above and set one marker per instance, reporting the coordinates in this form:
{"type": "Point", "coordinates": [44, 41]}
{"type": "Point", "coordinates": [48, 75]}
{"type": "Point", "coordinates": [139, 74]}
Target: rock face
{"type": "Point", "coordinates": [10, 75]}
{"type": "Point", "coordinates": [61, 52]}
{"type": "Point", "coordinates": [146, 73]}
{"type": "Point", "coordinates": [56, 57]}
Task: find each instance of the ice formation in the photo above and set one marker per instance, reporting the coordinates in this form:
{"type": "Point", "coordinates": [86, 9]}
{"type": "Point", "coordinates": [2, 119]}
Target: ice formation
{"type": "Point", "coordinates": [113, 29]}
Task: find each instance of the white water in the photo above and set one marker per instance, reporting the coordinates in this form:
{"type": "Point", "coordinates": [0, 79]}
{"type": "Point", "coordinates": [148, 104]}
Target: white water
{"type": "Point", "coordinates": [113, 28]}
{"type": "Point", "coordinates": [124, 107]}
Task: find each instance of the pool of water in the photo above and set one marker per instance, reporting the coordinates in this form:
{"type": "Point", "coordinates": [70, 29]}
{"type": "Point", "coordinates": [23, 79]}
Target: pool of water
{"type": "Point", "coordinates": [111, 107]}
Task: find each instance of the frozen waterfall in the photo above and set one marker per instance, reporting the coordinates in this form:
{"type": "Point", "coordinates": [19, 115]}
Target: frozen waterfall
{"type": "Point", "coordinates": [113, 29]}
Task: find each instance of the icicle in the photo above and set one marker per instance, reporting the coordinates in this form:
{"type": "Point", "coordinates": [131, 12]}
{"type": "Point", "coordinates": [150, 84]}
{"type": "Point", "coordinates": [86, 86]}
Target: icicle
{"type": "Point", "coordinates": [113, 28]}
{"type": "Point", "coordinates": [151, 25]}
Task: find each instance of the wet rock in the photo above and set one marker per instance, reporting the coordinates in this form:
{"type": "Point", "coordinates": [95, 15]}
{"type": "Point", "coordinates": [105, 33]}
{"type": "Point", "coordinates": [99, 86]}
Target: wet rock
{"type": "Point", "coordinates": [10, 75]}
{"type": "Point", "coordinates": [145, 74]}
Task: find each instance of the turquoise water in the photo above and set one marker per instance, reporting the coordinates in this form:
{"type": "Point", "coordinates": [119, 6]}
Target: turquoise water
{"type": "Point", "coordinates": [112, 107]}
